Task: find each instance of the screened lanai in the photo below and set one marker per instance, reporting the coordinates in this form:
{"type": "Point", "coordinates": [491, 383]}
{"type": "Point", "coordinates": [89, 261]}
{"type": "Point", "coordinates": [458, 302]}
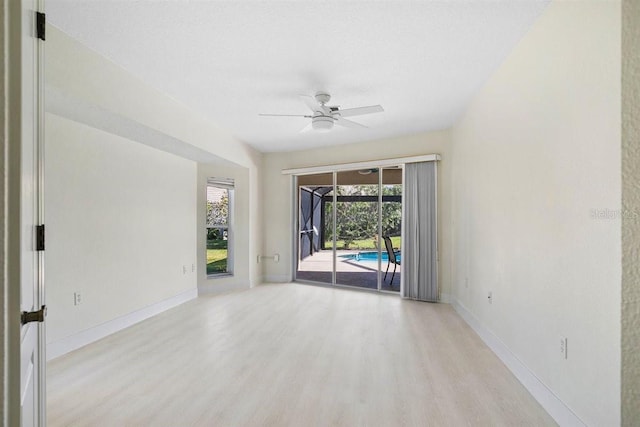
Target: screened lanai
{"type": "Point", "coordinates": [312, 219]}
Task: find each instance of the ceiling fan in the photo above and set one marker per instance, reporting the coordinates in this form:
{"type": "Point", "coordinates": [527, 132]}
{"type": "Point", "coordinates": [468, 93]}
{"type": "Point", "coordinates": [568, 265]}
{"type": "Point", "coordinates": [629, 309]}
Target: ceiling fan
{"type": "Point", "coordinates": [325, 116]}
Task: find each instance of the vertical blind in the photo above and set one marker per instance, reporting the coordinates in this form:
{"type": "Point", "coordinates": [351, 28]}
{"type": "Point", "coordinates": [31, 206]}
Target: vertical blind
{"type": "Point", "coordinates": [419, 252]}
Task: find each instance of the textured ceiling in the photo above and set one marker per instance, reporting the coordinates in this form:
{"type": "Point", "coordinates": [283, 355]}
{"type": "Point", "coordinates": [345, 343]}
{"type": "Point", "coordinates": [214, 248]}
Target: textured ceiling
{"type": "Point", "coordinates": [230, 60]}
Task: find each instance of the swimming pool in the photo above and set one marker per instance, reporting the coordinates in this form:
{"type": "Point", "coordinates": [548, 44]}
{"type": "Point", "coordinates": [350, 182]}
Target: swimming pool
{"type": "Point", "coordinates": [369, 257]}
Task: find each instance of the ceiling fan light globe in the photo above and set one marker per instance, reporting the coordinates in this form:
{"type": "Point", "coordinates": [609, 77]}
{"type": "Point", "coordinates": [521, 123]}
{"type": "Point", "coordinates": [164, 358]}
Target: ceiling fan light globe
{"type": "Point", "coordinates": [322, 124]}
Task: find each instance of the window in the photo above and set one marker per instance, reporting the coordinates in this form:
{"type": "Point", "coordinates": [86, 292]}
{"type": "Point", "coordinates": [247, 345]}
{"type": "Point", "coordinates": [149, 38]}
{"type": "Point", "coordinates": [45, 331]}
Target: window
{"type": "Point", "coordinates": [219, 226]}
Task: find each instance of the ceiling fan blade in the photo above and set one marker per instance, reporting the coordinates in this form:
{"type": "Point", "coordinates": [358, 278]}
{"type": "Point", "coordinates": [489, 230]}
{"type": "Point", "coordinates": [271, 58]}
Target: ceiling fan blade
{"type": "Point", "coordinates": [348, 123]}
{"type": "Point", "coordinates": [307, 128]}
{"type": "Point", "coordinates": [285, 115]}
{"type": "Point", "coordinates": [310, 102]}
{"type": "Point", "coordinates": [358, 111]}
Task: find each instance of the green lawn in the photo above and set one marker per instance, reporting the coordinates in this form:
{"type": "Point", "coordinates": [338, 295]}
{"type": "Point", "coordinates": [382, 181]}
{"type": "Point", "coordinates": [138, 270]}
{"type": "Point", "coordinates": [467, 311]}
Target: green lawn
{"type": "Point", "coordinates": [216, 256]}
{"type": "Point", "coordinates": [363, 244]}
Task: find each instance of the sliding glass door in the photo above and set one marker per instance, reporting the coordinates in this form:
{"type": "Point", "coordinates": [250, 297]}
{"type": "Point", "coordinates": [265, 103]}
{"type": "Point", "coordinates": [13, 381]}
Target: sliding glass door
{"type": "Point", "coordinates": [315, 229]}
{"type": "Point", "coordinates": [391, 229]}
{"type": "Point", "coordinates": [349, 228]}
{"type": "Point", "coordinates": [357, 219]}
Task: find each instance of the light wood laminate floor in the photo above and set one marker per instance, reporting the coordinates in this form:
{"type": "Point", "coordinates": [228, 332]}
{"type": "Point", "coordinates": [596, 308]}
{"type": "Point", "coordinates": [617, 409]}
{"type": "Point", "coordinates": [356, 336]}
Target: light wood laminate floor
{"type": "Point", "coordinates": [291, 355]}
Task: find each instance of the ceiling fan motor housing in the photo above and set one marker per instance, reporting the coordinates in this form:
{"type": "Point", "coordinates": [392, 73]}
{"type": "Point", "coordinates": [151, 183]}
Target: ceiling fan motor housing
{"type": "Point", "coordinates": [322, 97]}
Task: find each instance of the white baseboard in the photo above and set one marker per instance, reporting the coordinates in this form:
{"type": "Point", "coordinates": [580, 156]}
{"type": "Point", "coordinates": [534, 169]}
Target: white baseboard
{"type": "Point", "coordinates": [74, 342]}
{"type": "Point", "coordinates": [560, 412]}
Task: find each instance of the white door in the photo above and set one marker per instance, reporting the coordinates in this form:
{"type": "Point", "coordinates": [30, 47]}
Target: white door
{"type": "Point", "coordinates": [32, 359]}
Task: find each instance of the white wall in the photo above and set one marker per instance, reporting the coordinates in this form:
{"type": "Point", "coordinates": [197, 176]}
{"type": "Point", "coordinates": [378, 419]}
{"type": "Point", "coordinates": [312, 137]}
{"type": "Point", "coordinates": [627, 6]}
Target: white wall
{"type": "Point", "coordinates": [87, 87]}
{"type": "Point", "coordinates": [537, 151]}
{"type": "Point", "coordinates": [133, 128]}
{"type": "Point", "coordinates": [121, 224]}
{"type": "Point", "coordinates": [278, 193]}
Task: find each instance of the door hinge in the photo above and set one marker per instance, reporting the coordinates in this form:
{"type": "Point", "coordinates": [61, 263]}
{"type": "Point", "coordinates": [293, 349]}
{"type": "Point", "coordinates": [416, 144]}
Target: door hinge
{"type": "Point", "coordinates": [40, 237]}
{"type": "Point", "coordinates": [33, 316]}
{"type": "Point", "coordinates": [41, 25]}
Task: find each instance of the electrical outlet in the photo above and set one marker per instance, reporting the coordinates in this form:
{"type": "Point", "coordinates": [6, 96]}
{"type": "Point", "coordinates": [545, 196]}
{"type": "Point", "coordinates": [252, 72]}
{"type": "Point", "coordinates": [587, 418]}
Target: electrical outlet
{"type": "Point", "coordinates": [563, 347]}
{"type": "Point", "coordinates": [77, 298]}
{"type": "Point", "coordinates": [490, 297]}
{"type": "Point", "coordinates": [184, 269]}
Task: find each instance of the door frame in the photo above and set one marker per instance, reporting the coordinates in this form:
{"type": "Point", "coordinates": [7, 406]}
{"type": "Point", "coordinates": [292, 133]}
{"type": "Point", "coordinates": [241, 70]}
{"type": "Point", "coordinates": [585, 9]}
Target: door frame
{"type": "Point", "coordinates": [335, 170]}
{"type": "Point", "coordinates": [10, 159]}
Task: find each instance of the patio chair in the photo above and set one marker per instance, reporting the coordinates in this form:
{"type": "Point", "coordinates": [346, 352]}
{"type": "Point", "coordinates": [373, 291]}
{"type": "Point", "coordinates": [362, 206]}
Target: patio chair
{"type": "Point", "coordinates": [391, 255]}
